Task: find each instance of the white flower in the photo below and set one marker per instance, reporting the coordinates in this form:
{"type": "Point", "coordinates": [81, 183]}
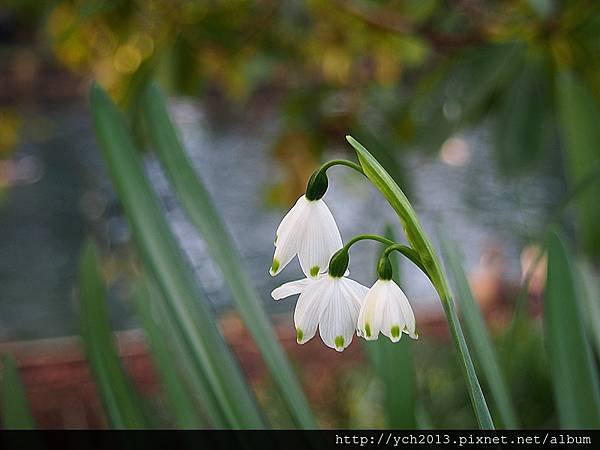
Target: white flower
{"type": "Point", "coordinates": [309, 231]}
{"type": "Point", "coordinates": [386, 310]}
{"type": "Point", "coordinates": [331, 303]}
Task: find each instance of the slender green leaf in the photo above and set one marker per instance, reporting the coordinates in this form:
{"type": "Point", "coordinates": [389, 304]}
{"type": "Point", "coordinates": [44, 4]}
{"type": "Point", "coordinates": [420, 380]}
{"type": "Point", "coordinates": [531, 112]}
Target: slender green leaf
{"type": "Point", "coordinates": [579, 116]}
{"type": "Point", "coordinates": [186, 304]}
{"type": "Point", "coordinates": [429, 259]}
{"type": "Point", "coordinates": [118, 395]}
{"type": "Point", "coordinates": [590, 293]}
{"type": "Point", "coordinates": [199, 207]}
{"type": "Point", "coordinates": [14, 409]}
{"type": "Point", "coordinates": [522, 123]}
{"type": "Point", "coordinates": [194, 379]}
{"type": "Point", "coordinates": [185, 412]}
{"type": "Point", "coordinates": [479, 337]}
{"type": "Point", "coordinates": [574, 374]}
{"type": "Point", "coordinates": [394, 365]}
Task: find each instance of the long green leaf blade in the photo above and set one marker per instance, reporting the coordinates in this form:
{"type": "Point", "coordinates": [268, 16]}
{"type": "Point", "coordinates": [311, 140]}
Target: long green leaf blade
{"type": "Point", "coordinates": [579, 115]}
{"type": "Point", "coordinates": [13, 402]}
{"type": "Point", "coordinates": [574, 374]}
{"type": "Point", "coordinates": [161, 255]}
{"type": "Point", "coordinates": [479, 337]}
{"type": "Point", "coordinates": [117, 393]}
{"type": "Point", "coordinates": [415, 235]}
{"type": "Point", "coordinates": [199, 207]}
{"type": "Point", "coordinates": [184, 410]}
{"type": "Point", "coordinates": [199, 387]}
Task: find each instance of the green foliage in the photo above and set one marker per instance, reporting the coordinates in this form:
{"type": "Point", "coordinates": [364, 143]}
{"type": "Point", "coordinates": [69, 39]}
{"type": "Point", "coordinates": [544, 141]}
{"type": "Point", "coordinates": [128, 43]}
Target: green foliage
{"type": "Point", "coordinates": [180, 402]}
{"type": "Point", "coordinates": [184, 302]}
{"type": "Point", "coordinates": [118, 396]}
{"type": "Point", "coordinates": [14, 410]}
{"type": "Point", "coordinates": [574, 374]}
{"type": "Point", "coordinates": [204, 216]}
{"type": "Point", "coordinates": [479, 337]}
{"type": "Point", "coordinates": [579, 115]}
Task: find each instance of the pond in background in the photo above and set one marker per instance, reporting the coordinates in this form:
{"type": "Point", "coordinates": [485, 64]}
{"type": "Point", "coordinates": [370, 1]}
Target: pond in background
{"type": "Point", "coordinates": [64, 195]}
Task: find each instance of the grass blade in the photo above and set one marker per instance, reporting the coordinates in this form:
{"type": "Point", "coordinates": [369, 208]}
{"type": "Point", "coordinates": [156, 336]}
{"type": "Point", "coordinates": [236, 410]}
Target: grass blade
{"type": "Point", "coordinates": [199, 388]}
{"type": "Point", "coordinates": [13, 401]}
{"type": "Point", "coordinates": [418, 240]}
{"type": "Point", "coordinates": [184, 410]}
{"type": "Point", "coordinates": [199, 207]}
{"type": "Point", "coordinates": [479, 337]}
{"type": "Point", "coordinates": [574, 374]}
{"type": "Point", "coordinates": [591, 297]}
{"type": "Point", "coordinates": [579, 116]}
{"type": "Point", "coordinates": [393, 363]}
{"type": "Point", "coordinates": [185, 303]}
{"type": "Point", "coordinates": [117, 393]}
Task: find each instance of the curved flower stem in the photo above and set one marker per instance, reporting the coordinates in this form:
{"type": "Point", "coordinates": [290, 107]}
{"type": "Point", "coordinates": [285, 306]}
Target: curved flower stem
{"type": "Point", "coordinates": [421, 244]}
{"type": "Point", "coordinates": [410, 253]}
{"type": "Point", "coordinates": [341, 162]}
{"type": "Point", "coordinates": [371, 237]}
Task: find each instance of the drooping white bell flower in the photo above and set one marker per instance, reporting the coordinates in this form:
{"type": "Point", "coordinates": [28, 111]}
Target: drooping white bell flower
{"type": "Point", "coordinates": [386, 310]}
{"type": "Point", "coordinates": [329, 302]}
{"type": "Point", "coordinates": [309, 231]}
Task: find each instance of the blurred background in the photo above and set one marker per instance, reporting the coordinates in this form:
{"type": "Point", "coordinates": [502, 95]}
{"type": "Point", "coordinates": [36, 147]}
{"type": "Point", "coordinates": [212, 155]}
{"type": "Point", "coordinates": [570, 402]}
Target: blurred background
{"type": "Point", "coordinates": [485, 113]}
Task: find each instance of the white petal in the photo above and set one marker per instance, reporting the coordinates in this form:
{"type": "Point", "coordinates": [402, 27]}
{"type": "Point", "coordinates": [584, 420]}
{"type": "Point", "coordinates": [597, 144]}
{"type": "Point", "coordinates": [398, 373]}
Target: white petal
{"type": "Point", "coordinates": [407, 312]}
{"type": "Point", "coordinates": [290, 288]}
{"type": "Point", "coordinates": [338, 321]}
{"type": "Point", "coordinates": [289, 235]}
{"type": "Point", "coordinates": [371, 314]}
{"type": "Point", "coordinates": [320, 241]}
{"type": "Point", "coordinates": [309, 309]}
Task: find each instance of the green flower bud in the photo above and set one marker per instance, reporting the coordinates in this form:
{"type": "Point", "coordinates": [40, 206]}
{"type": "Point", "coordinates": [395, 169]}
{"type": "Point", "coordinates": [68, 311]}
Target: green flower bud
{"type": "Point", "coordinates": [317, 185]}
{"type": "Point", "coordinates": [339, 263]}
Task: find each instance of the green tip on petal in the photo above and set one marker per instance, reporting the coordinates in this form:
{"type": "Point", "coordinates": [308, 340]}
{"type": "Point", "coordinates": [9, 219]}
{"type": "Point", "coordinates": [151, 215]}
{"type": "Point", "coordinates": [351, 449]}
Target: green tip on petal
{"type": "Point", "coordinates": [339, 342]}
{"type": "Point", "coordinates": [368, 329]}
{"type": "Point", "coordinates": [275, 265]}
{"type": "Point", "coordinates": [314, 271]}
{"type": "Point", "coordinates": [299, 335]}
{"type": "Point", "coordinates": [395, 331]}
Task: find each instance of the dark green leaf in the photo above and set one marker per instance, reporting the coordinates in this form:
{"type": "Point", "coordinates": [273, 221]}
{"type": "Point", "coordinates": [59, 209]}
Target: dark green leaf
{"type": "Point", "coordinates": [186, 305]}
{"type": "Point", "coordinates": [204, 216]}
{"type": "Point", "coordinates": [118, 395]}
{"type": "Point", "coordinates": [574, 374]}
{"type": "Point", "coordinates": [579, 118]}
{"type": "Point", "coordinates": [485, 353]}
{"type": "Point", "coordinates": [13, 401]}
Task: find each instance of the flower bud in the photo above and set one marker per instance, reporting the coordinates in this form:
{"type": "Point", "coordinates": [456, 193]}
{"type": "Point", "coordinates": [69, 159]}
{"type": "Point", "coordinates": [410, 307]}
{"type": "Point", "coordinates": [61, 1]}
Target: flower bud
{"type": "Point", "coordinates": [339, 263]}
{"type": "Point", "coordinates": [317, 185]}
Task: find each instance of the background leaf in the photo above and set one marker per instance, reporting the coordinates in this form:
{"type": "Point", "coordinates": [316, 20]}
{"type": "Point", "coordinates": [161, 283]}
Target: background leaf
{"type": "Point", "coordinates": [117, 393]}
{"type": "Point", "coordinates": [187, 306]}
{"type": "Point", "coordinates": [184, 411]}
{"type": "Point", "coordinates": [522, 123]}
{"type": "Point", "coordinates": [575, 377]}
{"type": "Point", "coordinates": [13, 401]}
{"type": "Point", "coordinates": [199, 207]}
{"type": "Point", "coordinates": [579, 116]}
{"type": "Point", "coordinates": [479, 338]}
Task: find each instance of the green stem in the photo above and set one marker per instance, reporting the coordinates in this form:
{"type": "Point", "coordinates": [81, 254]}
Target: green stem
{"type": "Point", "coordinates": [341, 162]}
{"type": "Point", "coordinates": [419, 241]}
{"type": "Point", "coordinates": [371, 237]}
{"type": "Point", "coordinates": [410, 253]}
